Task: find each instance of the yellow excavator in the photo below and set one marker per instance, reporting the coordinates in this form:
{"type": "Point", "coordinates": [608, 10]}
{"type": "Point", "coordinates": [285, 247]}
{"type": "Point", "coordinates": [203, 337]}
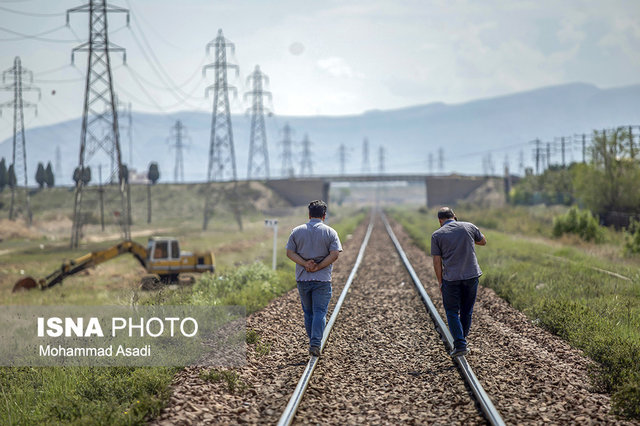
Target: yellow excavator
{"type": "Point", "coordinates": [162, 258]}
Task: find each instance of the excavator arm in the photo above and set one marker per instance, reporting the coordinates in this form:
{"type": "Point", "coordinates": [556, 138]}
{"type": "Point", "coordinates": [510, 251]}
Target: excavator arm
{"type": "Point", "coordinates": [81, 263]}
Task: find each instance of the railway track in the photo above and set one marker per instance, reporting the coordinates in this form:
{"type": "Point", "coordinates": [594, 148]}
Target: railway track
{"type": "Point", "coordinates": [482, 399]}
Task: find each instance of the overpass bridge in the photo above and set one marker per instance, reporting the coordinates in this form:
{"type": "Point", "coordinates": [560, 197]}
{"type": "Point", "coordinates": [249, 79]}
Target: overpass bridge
{"type": "Point", "coordinates": [439, 189]}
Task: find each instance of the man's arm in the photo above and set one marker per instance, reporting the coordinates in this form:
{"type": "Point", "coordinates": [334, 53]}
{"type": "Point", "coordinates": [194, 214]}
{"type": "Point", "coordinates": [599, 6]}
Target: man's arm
{"type": "Point", "coordinates": [437, 267]}
{"type": "Point", "coordinates": [482, 242]}
{"type": "Point", "coordinates": [307, 264]}
{"type": "Point", "coordinates": [332, 257]}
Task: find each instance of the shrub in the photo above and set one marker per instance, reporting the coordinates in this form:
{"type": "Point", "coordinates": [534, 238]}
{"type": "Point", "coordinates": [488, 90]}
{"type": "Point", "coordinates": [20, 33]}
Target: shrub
{"type": "Point", "coordinates": [632, 239]}
{"type": "Point", "coordinates": [579, 222]}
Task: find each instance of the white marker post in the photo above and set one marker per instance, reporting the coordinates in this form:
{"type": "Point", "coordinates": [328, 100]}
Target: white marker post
{"type": "Point", "coordinates": [273, 223]}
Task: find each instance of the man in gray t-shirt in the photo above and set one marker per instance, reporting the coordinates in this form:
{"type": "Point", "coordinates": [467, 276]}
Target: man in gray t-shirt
{"type": "Point", "coordinates": [457, 271]}
{"type": "Point", "coordinates": [314, 247]}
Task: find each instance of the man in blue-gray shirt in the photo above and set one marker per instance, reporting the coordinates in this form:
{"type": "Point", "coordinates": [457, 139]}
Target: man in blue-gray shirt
{"type": "Point", "coordinates": [314, 247]}
{"type": "Point", "coordinates": [453, 250]}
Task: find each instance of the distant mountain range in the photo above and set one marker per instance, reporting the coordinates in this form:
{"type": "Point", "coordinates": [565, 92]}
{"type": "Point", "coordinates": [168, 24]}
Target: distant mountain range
{"type": "Point", "coordinates": [466, 132]}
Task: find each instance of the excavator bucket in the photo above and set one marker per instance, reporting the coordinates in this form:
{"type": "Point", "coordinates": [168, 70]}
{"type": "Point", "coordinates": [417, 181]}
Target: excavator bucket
{"type": "Point", "coordinates": [24, 284]}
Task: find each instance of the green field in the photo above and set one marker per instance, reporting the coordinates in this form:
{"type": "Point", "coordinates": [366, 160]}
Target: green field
{"type": "Point", "coordinates": [129, 395]}
{"type": "Point", "coordinates": [565, 285]}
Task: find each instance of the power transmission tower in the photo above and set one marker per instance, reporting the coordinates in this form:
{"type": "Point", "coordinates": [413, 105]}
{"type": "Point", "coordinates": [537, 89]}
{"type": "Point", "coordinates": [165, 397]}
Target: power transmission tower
{"type": "Point", "coordinates": [287, 152]}
{"type": "Point", "coordinates": [126, 123]}
{"type": "Point", "coordinates": [440, 160]}
{"type": "Point", "coordinates": [366, 166]}
{"type": "Point", "coordinates": [100, 131]}
{"type": "Point", "coordinates": [19, 196]}
{"type": "Point", "coordinates": [381, 156]}
{"type": "Point", "coordinates": [342, 152]}
{"type": "Point", "coordinates": [222, 157]}
{"type": "Point", "coordinates": [306, 165]}
{"type": "Point", "coordinates": [258, 152]}
{"type": "Point", "coordinates": [178, 136]}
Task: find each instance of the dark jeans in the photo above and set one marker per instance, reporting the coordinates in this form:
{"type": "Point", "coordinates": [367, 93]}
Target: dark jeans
{"type": "Point", "coordinates": [314, 296]}
{"type": "Point", "coordinates": [458, 298]}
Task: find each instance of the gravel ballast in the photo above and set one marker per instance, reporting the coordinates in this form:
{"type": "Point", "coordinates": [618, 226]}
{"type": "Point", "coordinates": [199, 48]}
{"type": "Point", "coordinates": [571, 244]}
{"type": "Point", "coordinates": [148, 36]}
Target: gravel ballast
{"type": "Point", "coordinates": [384, 362]}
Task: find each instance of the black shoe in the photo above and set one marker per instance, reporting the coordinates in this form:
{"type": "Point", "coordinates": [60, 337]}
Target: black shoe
{"type": "Point", "coordinates": [459, 352]}
{"type": "Point", "coordinates": [314, 351]}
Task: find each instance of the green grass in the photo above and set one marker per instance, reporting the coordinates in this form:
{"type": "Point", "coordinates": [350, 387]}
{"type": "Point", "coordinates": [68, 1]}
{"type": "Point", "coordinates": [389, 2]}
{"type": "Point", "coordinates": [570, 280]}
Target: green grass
{"type": "Point", "coordinates": [81, 395]}
{"type": "Point", "coordinates": [231, 378]}
{"type": "Point", "coordinates": [554, 282]}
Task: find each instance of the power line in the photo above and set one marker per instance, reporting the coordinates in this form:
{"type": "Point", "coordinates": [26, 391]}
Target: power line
{"type": "Point", "coordinates": [22, 36]}
{"type": "Point", "coordinates": [39, 15]}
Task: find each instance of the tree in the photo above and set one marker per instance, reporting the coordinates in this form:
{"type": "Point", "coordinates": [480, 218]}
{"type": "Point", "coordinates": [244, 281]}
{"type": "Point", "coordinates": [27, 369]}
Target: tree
{"type": "Point", "coordinates": [610, 182]}
{"type": "Point", "coordinates": [153, 175]}
{"type": "Point", "coordinates": [11, 177]}
{"type": "Point", "coordinates": [124, 173]}
{"type": "Point", "coordinates": [4, 178]}
{"type": "Point", "coordinates": [40, 176]}
{"type": "Point", "coordinates": [48, 176]}
{"type": "Point", "coordinates": [85, 175]}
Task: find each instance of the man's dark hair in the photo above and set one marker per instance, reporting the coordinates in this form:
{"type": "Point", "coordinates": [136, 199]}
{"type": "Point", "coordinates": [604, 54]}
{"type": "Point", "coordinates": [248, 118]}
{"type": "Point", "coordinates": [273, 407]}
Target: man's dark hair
{"type": "Point", "coordinates": [317, 208]}
{"type": "Point", "coordinates": [446, 213]}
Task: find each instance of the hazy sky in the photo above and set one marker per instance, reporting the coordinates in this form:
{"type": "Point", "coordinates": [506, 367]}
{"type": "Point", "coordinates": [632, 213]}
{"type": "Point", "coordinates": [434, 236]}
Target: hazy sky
{"type": "Point", "coordinates": [329, 57]}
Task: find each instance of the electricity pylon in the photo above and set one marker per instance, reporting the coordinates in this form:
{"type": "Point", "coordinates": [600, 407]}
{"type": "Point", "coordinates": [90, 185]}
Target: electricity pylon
{"type": "Point", "coordinates": [222, 157]}
{"type": "Point", "coordinates": [381, 155]}
{"type": "Point", "coordinates": [19, 195]}
{"type": "Point", "coordinates": [178, 136]}
{"type": "Point", "coordinates": [287, 152]}
{"type": "Point", "coordinates": [258, 152]}
{"type": "Point", "coordinates": [306, 165]}
{"type": "Point", "coordinates": [366, 166]}
{"type": "Point", "coordinates": [100, 132]}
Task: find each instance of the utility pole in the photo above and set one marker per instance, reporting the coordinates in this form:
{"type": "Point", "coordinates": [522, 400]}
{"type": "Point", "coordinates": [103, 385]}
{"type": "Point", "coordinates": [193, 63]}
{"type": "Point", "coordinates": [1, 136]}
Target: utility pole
{"type": "Point", "coordinates": [58, 163]}
{"type": "Point", "coordinates": [430, 162]}
{"type": "Point", "coordinates": [19, 196]}
{"type": "Point", "coordinates": [258, 152]}
{"type": "Point", "coordinates": [537, 142]}
{"type": "Point", "coordinates": [564, 164]}
{"type": "Point", "coordinates": [342, 152]}
{"type": "Point", "coordinates": [177, 136]}
{"type": "Point", "coordinates": [521, 163]}
{"type": "Point", "coordinates": [366, 166]}
{"type": "Point", "coordinates": [440, 160]}
{"type": "Point", "coordinates": [287, 153]}
{"type": "Point", "coordinates": [306, 166]}
{"type": "Point", "coordinates": [381, 156]}
{"type": "Point", "coordinates": [548, 154]}
{"type": "Point", "coordinates": [222, 157]}
{"type": "Point", "coordinates": [100, 131]}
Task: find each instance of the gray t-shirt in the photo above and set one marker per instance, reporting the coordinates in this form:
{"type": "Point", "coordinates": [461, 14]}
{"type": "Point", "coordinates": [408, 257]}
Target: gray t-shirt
{"type": "Point", "coordinates": [313, 240]}
{"type": "Point", "coordinates": [455, 242]}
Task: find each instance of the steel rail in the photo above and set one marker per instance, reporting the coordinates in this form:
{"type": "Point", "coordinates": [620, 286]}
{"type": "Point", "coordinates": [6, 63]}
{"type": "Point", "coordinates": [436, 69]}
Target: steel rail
{"type": "Point", "coordinates": [488, 409]}
{"type": "Point", "coordinates": [289, 412]}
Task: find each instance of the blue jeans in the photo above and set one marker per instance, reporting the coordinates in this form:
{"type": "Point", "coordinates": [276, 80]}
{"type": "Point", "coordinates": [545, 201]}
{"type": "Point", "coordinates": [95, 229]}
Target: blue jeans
{"type": "Point", "coordinates": [315, 296]}
{"type": "Point", "coordinates": [458, 298]}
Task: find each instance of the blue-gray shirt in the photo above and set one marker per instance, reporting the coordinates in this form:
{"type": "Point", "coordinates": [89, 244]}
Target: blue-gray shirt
{"type": "Point", "coordinates": [455, 242]}
{"type": "Point", "coordinates": [313, 240]}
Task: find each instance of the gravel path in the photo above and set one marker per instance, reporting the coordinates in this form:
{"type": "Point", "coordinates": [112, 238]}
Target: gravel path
{"type": "Point", "coordinates": [385, 364]}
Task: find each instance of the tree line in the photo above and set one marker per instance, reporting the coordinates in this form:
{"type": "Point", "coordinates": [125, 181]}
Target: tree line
{"type": "Point", "coordinates": [608, 184]}
{"type": "Point", "coordinates": [44, 175]}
